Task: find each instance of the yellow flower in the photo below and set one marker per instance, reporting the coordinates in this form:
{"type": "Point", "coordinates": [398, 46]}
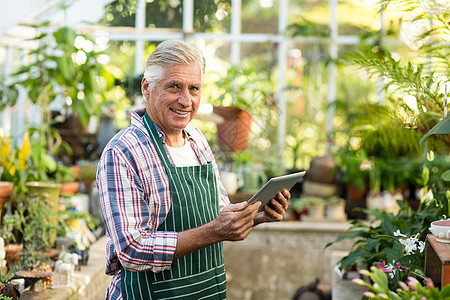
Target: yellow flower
{"type": "Point", "coordinates": [24, 152]}
{"type": "Point", "coordinates": [6, 155]}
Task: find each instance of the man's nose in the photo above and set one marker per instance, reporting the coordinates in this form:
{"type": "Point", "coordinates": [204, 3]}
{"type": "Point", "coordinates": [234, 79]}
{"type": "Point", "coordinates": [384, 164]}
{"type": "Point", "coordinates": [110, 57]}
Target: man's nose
{"type": "Point", "coordinates": [185, 98]}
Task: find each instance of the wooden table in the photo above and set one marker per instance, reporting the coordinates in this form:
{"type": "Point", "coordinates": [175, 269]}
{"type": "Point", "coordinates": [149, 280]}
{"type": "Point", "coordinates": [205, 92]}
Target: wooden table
{"type": "Point", "coordinates": [437, 261]}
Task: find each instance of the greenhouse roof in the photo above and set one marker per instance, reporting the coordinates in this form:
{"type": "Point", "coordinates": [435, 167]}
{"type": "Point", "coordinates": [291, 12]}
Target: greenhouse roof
{"type": "Point", "coordinates": [20, 18]}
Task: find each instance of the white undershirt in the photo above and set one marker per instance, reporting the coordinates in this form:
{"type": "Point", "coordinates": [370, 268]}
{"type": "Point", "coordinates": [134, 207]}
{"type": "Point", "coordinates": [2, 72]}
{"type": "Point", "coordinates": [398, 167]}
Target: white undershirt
{"type": "Point", "coordinates": [184, 156]}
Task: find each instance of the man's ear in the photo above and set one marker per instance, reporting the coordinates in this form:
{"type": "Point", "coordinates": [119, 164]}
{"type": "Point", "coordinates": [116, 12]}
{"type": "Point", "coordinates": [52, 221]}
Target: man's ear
{"type": "Point", "coordinates": [145, 88]}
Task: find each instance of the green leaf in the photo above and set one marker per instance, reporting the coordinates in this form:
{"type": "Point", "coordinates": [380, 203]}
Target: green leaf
{"type": "Point", "coordinates": [445, 292]}
{"type": "Point", "coordinates": [386, 237]}
{"type": "Point", "coordinates": [443, 127]}
{"type": "Point", "coordinates": [378, 276]}
{"type": "Point", "coordinates": [446, 176]}
{"type": "Point", "coordinates": [49, 162]}
{"type": "Point", "coordinates": [418, 273]}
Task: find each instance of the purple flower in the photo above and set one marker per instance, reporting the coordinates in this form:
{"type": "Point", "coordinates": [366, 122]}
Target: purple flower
{"type": "Point", "coordinates": [382, 266]}
{"type": "Point", "coordinates": [400, 267]}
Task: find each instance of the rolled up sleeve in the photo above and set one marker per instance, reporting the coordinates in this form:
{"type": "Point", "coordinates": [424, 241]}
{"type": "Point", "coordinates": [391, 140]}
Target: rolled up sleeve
{"type": "Point", "coordinates": [128, 217]}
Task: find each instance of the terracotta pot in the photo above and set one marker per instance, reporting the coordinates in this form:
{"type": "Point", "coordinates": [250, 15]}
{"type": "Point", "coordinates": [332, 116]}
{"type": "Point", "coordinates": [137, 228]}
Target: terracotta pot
{"type": "Point", "coordinates": [322, 170]}
{"type": "Point", "coordinates": [355, 193]}
{"type": "Point", "coordinates": [69, 188]}
{"type": "Point", "coordinates": [6, 189]}
{"type": "Point", "coordinates": [12, 253]}
{"type": "Point", "coordinates": [233, 133]}
{"type": "Point", "coordinates": [76, 170]}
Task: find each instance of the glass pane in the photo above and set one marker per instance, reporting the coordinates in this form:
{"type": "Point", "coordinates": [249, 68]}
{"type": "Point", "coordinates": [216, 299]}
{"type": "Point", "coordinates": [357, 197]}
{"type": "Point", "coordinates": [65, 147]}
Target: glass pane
{"type": "Point", "coordinates": [260, 16]}
{"type": "Point", "coordinates": [264, 53]}
{"type": "Point", "coordinates": [164, 14]}
{"type": "Point", "coordinates": [311, 18]}
{"type": "Point", "coordinates": [120, 13]}
{"type": "Point", "coordinates": [212, 16]}
{"type": "Point", "coordinates": [122, 57]}
{"type": "Point", "coordinates": [356, 17]}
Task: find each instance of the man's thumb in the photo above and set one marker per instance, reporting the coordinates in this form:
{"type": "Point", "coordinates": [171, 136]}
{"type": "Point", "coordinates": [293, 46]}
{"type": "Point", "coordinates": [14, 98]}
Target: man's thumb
{"type": "Point", "coordinates": [239, 206]}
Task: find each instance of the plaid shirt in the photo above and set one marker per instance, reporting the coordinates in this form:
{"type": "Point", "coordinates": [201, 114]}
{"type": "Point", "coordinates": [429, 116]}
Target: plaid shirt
{"type": "Point", "coordinates": [135, 199]}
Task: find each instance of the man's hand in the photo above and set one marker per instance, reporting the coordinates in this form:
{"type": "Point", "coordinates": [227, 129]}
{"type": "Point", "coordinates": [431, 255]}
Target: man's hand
{"type": "Point", "coordinates": [275, 210]}
{"type": "Point", "coordinates": [235, 221]}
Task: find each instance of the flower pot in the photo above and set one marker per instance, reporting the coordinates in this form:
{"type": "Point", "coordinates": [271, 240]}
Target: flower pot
{"type": "Point", "coordinates": [13, 252]}
{"type": "Point", "coordinates": [322, 170]}
{"type": "Point", "coordinates": [49, 192]}
{"type": "Point", "coordinates": [316, 212]}
{"type": "Point", "coordinates": [355, 193]}
{"type": "Point", "coordinates": [6, 189]}
{"type": "Point", "coordinates": [233, 133]}
{"type": "Point", "coordinates": [319, 189]}
{"type": "Point", "coordinates": [230, 181]}
{"type": "Point", "coordinates": [336, 212]}
{"type": "Point", "coordinates": [69, 188]}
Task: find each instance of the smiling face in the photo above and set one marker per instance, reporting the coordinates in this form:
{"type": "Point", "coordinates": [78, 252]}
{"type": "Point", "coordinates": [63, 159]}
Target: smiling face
{"type": "Point", "coordinates": [175, 100]}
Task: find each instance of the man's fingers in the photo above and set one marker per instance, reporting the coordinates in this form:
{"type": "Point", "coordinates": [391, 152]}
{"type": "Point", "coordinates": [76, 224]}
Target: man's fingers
{"type": "Point", "coordinates": [236, 207]}
{"type": "Point", "coordinates": [255, 205]}
{"type": "Point", "coordinates": [274, 214]}
{"type": "Point", "coordinates": [283, 198]}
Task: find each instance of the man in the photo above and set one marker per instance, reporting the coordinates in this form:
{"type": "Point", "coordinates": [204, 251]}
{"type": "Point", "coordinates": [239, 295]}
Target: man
{"type": "Point", "coordinates": [165, 209]}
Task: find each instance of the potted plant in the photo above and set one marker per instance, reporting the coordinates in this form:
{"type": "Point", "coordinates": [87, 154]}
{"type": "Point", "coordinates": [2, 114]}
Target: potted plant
{"type": "Point", "coordinates": [12, 243]}
{"type": "Point", "coordinates": [6, 189]}
{"type": "Point", "coordinates": [36, 223]}
{"type": "Point", "coordinates": [335, 208]}
{"type": "Point", "coordinates": [8, 290]}
{"type": "Point", "coordinates": [87, 175]}
{"type": "Point", "coordinates": [67, 177]}
{"type": "Point", "coordinates": [378, 287]}
{"type": "Point", "coordinates": [396, 237]}
{"type": "Point", "coordinates": [242, 89]}
{"type": "Point", "coordinates": [13, 166]}
{"type": "Point", "coordinates": [313, 206]}
{"type": "Point", "coordinates": [67, 66]}
{"type": "Point", "coordinates": [354, 166]}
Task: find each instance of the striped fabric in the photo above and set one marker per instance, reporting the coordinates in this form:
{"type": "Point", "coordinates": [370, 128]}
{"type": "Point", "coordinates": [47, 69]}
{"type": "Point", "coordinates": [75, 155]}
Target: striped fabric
{"type": "Point", "coordinates": [135, 200]}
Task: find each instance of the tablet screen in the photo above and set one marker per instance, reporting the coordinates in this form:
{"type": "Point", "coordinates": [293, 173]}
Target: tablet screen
{"type": "Point", "coordinates": [274, 186]}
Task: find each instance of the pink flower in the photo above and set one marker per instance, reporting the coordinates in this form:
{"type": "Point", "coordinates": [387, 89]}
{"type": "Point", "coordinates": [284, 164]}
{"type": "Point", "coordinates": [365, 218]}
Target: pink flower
{"type": "Point", "coordinates": [430, 283]}
{"type": "Point", "coordinates": [358, 281]}
{"type": "Point", "coordinates": [413, 283]}
{"type": "Point", "coordinates": [369, 294]}
{"type": "Point", "coordinates": [364, 272]}
{"type": "Point", "coordinates": [403, 286]}
{"type": "Point", "coordinates": [382, 266]}
{"type": "Point", "coordinates": [399, 266]}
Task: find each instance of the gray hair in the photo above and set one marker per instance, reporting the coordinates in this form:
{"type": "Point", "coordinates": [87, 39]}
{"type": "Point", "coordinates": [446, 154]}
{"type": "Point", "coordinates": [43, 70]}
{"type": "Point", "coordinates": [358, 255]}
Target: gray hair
{"type": "Point", "coordinates": [169, 53]}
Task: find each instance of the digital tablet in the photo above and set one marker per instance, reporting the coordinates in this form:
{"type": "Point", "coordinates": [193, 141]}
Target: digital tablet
{"type": "Point", "coordinates": [274, 186]}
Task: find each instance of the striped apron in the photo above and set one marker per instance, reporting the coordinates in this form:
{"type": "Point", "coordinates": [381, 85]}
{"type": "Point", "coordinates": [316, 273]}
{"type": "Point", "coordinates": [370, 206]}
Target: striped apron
{"type": "Point", "coordinates": [201, 274]}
